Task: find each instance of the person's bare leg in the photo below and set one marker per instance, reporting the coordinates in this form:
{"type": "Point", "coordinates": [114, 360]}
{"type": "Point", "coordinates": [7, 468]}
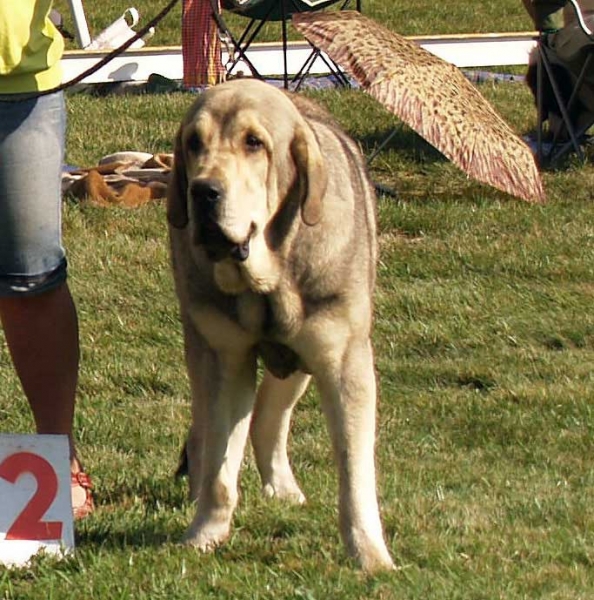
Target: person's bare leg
{"type": "Point", "coordinates": [42, 336]}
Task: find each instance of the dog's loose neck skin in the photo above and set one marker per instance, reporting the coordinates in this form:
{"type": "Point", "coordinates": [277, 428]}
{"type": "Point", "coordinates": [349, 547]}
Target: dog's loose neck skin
{"type": "Point", "coordinates": [264, 274]}
{"type": "Point", "coordinates": [282, 310]}
{"type": "Point", "coordinates": [268, 307]}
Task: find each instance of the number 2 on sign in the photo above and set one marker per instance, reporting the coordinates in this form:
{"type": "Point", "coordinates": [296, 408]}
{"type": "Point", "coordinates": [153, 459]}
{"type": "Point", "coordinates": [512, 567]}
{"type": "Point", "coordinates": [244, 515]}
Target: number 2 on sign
{"type": "Point", "coordinates": [28, 525]}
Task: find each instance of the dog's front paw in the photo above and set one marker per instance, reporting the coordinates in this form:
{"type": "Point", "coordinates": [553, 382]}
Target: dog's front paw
{"type": "Point", "coordinates": [376, 560]}
{"type": "Point", "coordinates": [369, 551]}
{"type": "Point", "coordinates": [206, 536]}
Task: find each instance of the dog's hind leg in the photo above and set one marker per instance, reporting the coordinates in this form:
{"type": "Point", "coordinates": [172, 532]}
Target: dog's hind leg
{"type": "Point", "coordinates": [270, 427]}
{"type": "Point", "coordinates": [348, 391]}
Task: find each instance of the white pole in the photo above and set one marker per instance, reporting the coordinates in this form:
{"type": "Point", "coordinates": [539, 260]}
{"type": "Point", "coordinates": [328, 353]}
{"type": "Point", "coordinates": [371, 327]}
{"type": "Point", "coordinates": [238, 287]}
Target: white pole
{"type": "Point", "coordinates": [83, 38]}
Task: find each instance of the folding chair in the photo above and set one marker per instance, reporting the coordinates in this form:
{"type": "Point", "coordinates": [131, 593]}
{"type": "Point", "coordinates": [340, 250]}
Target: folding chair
{"type": "Point", "coordinates": [563, 84]}
{"type": "Point", "coordinates": [261, 12]}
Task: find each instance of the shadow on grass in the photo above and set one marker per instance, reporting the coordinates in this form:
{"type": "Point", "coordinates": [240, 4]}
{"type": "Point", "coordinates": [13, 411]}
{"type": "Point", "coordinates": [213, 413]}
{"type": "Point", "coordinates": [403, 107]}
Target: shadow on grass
{"type": "Point", "coordinates": [410, 169]}
{"type": "Point", "coordinates": [140, 513]}
{"type": "Point", "coordinates": [126, 534]}
{"type": "Point", "coordinates": [403, 140]}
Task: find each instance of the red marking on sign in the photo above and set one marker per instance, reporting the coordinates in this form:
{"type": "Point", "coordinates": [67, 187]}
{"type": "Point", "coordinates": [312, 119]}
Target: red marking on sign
{"type": "Point", "coordinates": [29, 525]}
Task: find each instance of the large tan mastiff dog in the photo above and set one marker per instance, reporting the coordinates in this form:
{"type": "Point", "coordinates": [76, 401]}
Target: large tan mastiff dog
{"type": "Point", "coordinates": [273, 240]}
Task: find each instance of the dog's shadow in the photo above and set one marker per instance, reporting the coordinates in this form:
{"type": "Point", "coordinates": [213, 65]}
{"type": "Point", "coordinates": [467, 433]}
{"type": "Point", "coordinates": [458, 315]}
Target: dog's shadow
{"type": "Point", "coordinates": [145, 512]}
{"type": "Point", "coordinates": [155, 513]}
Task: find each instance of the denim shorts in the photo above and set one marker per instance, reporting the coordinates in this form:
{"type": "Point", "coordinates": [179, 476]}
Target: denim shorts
{"type": "Point", "coordinates": [32, 139]}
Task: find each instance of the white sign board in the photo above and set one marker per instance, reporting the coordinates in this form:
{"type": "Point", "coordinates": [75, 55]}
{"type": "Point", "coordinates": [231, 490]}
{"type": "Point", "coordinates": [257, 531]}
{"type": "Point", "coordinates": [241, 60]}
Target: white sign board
{"type": "Point", "coordinates": [35, 498]}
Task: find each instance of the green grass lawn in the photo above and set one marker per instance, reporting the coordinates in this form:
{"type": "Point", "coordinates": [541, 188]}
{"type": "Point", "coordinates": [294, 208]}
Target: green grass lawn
{"type": "Point", "coordinates": [484, 342]}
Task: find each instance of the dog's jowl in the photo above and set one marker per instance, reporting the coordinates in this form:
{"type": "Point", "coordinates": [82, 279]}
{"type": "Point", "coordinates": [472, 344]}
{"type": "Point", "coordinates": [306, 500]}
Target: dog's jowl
{"type": "Point", "coordinates": [273, 241]}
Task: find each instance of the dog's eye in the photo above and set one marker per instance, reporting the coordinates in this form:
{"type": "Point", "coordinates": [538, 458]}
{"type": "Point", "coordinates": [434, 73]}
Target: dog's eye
{"type": "Point", "coordinates": [194, 143]}
{"type": "Point", "coordinates": [253, 143]}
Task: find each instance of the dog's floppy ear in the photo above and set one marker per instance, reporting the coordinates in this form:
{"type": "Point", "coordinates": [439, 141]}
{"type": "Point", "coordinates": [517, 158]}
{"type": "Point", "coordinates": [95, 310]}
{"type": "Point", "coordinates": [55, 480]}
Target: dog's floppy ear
{"type": "Point", "coordinates": [311, 173]}
{"type": "Point", "coordinates": [177, 190]}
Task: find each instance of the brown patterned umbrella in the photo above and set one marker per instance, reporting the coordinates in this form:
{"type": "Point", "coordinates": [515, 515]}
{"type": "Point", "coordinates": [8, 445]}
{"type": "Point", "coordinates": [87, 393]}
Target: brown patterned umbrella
{"type": "Point", "coordinates": [430, 95]}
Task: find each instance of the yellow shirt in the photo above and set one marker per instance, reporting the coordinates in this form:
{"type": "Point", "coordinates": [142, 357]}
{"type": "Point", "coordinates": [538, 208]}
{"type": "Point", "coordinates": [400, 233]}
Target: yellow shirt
{"type": "Point", "coordinates": [30, 47]}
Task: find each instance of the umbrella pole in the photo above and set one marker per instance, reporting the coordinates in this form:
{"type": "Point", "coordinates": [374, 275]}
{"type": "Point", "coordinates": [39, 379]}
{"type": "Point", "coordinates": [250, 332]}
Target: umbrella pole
{"type": "Point", "coordinates": [284, 30]}
{"type": "Point", "coordinates": [381, 146]}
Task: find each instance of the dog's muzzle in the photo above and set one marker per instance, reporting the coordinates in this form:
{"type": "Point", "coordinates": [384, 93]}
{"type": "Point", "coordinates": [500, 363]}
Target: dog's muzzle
{"type": "Point", "coordinates": [207, 195]}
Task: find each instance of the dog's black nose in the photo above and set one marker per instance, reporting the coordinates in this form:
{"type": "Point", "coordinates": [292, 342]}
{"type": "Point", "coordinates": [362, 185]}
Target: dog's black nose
{"type": "Point", "coordinates": [209, 190]}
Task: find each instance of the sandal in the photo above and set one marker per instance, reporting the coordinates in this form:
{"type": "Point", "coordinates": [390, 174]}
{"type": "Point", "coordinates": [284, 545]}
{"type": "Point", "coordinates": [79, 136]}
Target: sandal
{"type": "Point", "coordinates": [87, 506]}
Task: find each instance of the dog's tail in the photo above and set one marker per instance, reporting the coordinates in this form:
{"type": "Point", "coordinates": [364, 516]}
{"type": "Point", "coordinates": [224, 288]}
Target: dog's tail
{"type": "Point", "coordinates": [182, 466]}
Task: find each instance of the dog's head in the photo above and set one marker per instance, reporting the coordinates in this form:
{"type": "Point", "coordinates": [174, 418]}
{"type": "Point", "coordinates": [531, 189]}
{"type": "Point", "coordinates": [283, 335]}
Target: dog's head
{"type": "Point", "coordinates": [242, 152]}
